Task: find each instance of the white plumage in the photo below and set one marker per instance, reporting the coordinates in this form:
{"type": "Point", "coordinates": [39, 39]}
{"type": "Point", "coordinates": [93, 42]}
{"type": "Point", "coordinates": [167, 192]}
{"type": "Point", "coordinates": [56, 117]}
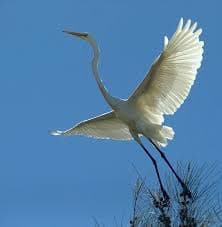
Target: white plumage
{"type": "Point", "coordinates": [163, 90]}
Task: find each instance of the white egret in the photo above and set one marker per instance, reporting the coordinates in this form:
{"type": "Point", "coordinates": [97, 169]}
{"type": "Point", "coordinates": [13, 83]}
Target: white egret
{"type": "Point", "coordinates": [163, 90]}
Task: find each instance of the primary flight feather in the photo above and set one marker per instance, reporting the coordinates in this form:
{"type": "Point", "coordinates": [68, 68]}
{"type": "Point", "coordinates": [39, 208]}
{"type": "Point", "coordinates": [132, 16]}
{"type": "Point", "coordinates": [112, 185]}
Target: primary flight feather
{"type": "Point", "coordinates": [163, 90]}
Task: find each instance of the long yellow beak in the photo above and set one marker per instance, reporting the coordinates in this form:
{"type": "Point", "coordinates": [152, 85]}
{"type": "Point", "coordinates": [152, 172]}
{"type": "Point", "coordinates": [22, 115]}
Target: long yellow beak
{"type": "Point", "coordinates": [78, 34]}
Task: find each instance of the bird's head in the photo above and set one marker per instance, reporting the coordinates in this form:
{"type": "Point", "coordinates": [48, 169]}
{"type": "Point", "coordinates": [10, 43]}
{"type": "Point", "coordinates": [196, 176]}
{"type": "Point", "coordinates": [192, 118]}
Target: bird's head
{"type": "Point", "coordinates": [81, 35]}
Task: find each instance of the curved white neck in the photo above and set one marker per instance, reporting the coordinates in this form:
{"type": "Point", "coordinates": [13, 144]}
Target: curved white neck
{"type": "Point", "coordinates": [110, 99]}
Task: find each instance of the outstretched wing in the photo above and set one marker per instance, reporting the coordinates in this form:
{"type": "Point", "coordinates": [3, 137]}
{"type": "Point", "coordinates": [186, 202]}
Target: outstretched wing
{"type": "Point", "coordinates": [105, 126]}
{"type": "Point", "coordinates": [170, 78]}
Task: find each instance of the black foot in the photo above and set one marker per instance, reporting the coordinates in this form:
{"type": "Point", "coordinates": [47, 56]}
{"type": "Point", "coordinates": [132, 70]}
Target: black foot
{"type": "Point", "coordinates": [186, 192]}
{"type": "Point", "coordinates": [162, 201]}
{"type": "Point", "coordinates": [165, 196]}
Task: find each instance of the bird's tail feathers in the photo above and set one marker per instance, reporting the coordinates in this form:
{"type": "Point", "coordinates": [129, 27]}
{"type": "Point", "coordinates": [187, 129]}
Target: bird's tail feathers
{"type": "Point", "coordinates": [165, 133]}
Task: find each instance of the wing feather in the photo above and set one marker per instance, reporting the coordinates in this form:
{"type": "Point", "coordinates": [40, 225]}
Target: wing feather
{"type": "Point", "coordinates": [170, 78]}
{"type": "Point", "coordinates": [105, 126]}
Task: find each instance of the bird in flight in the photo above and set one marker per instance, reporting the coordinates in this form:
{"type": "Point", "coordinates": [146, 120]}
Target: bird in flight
{"type": "Point", "coordinates": [163, 90]}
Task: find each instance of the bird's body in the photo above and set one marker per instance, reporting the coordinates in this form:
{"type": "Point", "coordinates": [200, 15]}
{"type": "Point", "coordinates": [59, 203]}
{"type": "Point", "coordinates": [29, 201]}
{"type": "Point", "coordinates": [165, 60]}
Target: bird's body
{"type": "Point", "coordinates": [162, 91]}
{"type": "Point", "coordinates": [139, 124]}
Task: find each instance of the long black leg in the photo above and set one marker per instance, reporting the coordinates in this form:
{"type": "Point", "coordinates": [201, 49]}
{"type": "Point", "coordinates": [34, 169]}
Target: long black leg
{"type": "Point", "coordinates": [184, 186]}
{"type": "Point", "coordinates": [166, 196]}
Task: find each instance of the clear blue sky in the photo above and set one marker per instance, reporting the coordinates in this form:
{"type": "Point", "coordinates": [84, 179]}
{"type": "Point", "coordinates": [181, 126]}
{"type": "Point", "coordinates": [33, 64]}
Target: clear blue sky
{"type": "Point", "coordinates": [46, 83]}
